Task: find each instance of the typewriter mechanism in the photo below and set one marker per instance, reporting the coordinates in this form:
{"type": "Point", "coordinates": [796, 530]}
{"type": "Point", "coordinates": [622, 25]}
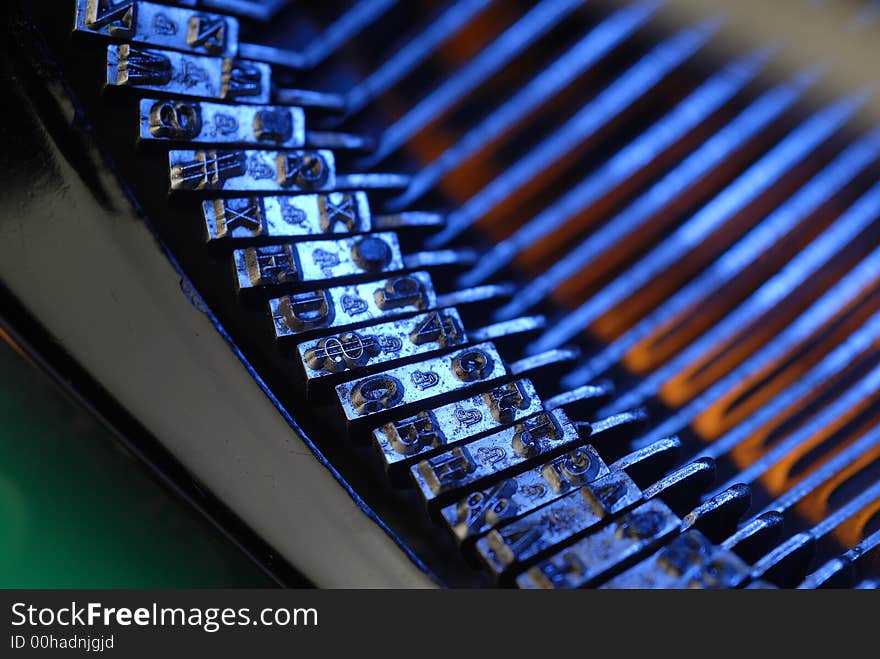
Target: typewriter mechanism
{"type": "Point", "coordinates": [550, 294]}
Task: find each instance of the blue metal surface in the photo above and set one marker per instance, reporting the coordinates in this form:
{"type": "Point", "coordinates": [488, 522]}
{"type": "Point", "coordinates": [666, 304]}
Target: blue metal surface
{"type": "Point", "coordinates": [594, 116]}
{"type": "Point", "coordinates": [699, 164]}
{"type": "Point", "coordinates": [742, 255]}
{"type": "Point", "coordinates": [585, 54]}
{"type": "Point", "coordinates": [628, 161]}
{"type": "Point", "coordinates": [791, 151]}
{"type": "Point", "coordinates": [499, 53]}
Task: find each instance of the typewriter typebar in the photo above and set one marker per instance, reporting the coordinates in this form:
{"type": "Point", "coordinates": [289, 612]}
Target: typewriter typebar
{"type": "Point", "coordinates": [302, 216]}
{"type": "Point", "coordinates": [150, 24]}
{"type": "Point", "coordinates": [558, 294]}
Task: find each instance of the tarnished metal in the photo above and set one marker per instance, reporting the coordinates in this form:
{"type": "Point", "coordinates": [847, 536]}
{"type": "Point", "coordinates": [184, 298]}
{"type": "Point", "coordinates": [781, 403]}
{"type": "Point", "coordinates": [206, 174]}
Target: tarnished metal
{"type": "Point", "coordinates": [161, 26]}
{"type": "Point", "coordinates": [183, 74]}
{"type": "Point", "coordinates": [252, 171]}
{"type": "Point", "coordinates": [534, 439]}
{"type": "Point", "coordinates": [706, 240]}
{"type": "Point", "coordinates": [689, 561]}
{"type": "Point", "coordinates": [401, 443]}
{"type": "Point", "coordinates": [418, 383]}
{"type": "Point", "coordinates": [383, 343]}
{"type": "Point", "coordinates": [571, 515]}
{"type": "Point", "coordinates": [606, 550]}
{"type": "Point", "coordinates": [317, 261]}
{"type": "Point", "coordinates": [302, 216]}
{"type": "Point", "coordinates": [268, 171]}
{"type": "Point", "coordinates": [346, 306]}
{"type": "Point", "coordinates": [176, 120]}
{"type": "Point", "coordinates": [480, 511]}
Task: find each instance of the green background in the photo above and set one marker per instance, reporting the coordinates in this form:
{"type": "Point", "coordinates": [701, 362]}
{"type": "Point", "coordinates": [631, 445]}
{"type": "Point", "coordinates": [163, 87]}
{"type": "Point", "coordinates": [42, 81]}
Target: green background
{"type": "Point", "coordinates": [78, 511]}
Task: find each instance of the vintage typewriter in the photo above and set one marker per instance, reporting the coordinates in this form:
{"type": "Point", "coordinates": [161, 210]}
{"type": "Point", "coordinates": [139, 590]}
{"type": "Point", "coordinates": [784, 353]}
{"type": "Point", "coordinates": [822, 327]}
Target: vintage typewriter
{"type": "Point", "coordinates": [548, 294]}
